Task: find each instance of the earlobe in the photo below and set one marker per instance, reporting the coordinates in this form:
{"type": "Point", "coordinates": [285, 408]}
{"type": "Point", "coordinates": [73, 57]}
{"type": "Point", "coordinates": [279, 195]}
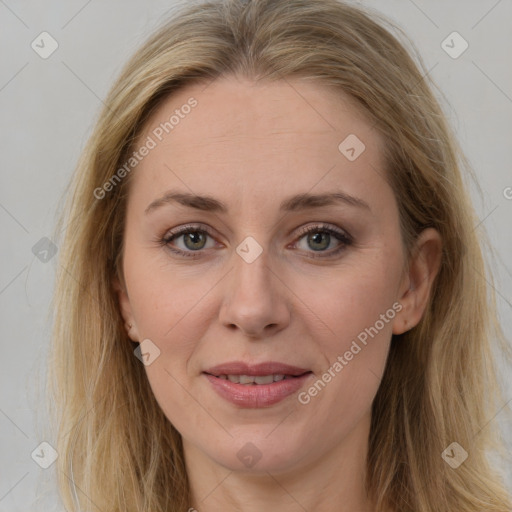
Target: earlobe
{"type": "Point", "coordinates": [125, 309]}
{"type": "Point", "coordinates": [423, 268]}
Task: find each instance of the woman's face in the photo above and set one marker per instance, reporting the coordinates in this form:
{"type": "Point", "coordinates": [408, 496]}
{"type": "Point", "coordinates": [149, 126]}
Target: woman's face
{"type": "Point", "coordinates": [252, 293]}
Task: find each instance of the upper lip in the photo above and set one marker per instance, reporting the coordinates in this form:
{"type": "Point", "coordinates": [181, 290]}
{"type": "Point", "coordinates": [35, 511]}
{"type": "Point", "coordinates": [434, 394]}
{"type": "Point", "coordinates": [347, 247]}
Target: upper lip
{"type": "Point", "coordinates": [265, 368]}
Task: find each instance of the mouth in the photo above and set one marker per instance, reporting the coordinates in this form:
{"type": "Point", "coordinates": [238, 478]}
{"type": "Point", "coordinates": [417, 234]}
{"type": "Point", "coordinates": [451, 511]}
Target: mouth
{"type": "Point", "coordinates": [265, 369]}
{"type": "Point", "coordinates": [255, 386]}
{"type": "Point", "coordinates": [256, 380]}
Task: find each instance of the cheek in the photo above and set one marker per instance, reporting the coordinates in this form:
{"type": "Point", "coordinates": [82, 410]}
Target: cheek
{"type": "Point", "coordinates": [357, 311]}
{"type": "Point", "coordinates": [354, 300]}
{"type": "Point", "coordinates": [172, 307]}
{"type": "Point", "coordinates": [171, 312]}
{"type": "Point", "coordinates": [343, 391]}
{"type": "Point", "coordinates": [161, 297]}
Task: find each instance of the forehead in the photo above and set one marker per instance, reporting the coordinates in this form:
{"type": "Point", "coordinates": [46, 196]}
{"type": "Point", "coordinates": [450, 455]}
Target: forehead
{"type": "Point", "coordinates": [243, 137]}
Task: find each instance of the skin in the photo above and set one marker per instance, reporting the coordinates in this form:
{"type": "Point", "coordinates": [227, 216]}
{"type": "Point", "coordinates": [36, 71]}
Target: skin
{"type": "Point", "coordinates": [251, 145]}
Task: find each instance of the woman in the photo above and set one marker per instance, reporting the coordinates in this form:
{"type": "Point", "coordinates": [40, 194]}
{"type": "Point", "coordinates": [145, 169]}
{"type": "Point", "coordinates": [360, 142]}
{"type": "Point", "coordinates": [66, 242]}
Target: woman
{"type": "Point", "coordinates": [268, 241]}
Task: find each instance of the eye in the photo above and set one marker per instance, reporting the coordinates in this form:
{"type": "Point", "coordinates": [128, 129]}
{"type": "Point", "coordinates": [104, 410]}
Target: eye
{"type": "Point", "coordinates": [193, 240]}
{"type": "Point", "coordinates": [319, 238]}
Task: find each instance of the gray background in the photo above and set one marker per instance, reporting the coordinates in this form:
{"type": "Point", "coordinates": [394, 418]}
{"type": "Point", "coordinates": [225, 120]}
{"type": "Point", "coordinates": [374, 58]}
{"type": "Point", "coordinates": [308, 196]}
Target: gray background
{"type": "Point", "coordinates": [48, 109]}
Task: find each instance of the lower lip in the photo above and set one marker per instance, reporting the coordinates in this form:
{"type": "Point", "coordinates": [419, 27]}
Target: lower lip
{"type": "Point", "coordinates": [257, 395]}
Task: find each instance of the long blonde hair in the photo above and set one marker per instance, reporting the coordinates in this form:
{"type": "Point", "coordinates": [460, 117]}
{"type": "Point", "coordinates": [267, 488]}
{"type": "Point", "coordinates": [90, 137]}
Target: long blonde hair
{"type": "Point", "coordinates": [117, 450]}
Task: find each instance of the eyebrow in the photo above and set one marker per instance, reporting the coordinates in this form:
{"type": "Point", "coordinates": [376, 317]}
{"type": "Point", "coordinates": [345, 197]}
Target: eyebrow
{"type": "Point", "coordinates": [292, 204]}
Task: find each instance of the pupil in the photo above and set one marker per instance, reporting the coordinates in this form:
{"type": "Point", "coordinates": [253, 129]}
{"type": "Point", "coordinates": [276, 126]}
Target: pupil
{"type": "Point", "coordinates": [315, 240]}
{"type": "Point", "coordinates": [192, 236]}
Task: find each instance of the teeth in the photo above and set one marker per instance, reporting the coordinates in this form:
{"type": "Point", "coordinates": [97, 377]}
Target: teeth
{"type": "Point", "coordinates": [250, 379]}
{"type": "Point", "coordinates": [264, 379]}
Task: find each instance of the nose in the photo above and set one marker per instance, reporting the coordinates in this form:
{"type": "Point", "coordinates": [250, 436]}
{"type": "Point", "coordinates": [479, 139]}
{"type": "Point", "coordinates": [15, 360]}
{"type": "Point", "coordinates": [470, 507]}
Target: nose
{"type": "Point", "coordinates": [255, 299]}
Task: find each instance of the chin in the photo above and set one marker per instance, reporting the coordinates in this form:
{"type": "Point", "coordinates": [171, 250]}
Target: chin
{"type": "Point", "coordinates": [260, 454]}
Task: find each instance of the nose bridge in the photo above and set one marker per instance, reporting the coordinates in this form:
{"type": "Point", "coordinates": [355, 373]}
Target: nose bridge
{"type": "Point", "coordinates": [253, 276]}
{"type": "Point", "coordinates": [253, 259]}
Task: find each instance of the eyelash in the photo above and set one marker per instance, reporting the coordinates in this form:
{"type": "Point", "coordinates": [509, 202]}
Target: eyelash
{"type": "Point", "coordinates": [321, 228]}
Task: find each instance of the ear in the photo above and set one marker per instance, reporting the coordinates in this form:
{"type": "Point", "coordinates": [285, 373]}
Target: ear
{"type": "Point", "coordinates": [416, 286]}
{"type": "Point", "coordinates": [125, 308]}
